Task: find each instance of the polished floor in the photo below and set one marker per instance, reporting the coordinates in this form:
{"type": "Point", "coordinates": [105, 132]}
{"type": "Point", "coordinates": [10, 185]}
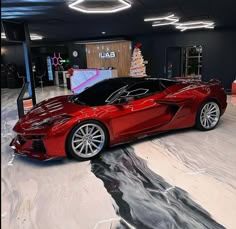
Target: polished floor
{"type": "Point", "coordinates": [181, 179]}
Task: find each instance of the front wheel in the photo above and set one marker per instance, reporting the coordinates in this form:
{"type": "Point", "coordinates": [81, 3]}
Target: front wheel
{"type": "Point", "coordinates": [208, 116]}
{"type": "Point", "coordinates": [87, 140]}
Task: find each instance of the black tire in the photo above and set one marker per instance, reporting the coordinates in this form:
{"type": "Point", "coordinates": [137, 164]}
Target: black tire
{"type": "Point", "coordinates": [200, 115]}
{"type": "Point", "coordinates": [70, 143]}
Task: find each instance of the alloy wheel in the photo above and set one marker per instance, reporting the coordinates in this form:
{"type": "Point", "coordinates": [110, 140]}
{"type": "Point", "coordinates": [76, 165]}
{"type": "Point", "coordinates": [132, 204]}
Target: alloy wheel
{"type": "Point", "coordinates": [88, 140]}
{"type": "Point", "coordinates": [210, 115]}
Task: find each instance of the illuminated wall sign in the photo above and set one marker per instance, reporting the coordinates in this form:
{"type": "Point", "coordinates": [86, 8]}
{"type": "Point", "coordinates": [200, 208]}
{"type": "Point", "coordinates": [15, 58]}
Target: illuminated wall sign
{"type": "Point", "coordinates": [107, 55]}
{"type": "Point", "coordinates": [56, 60]}
{"type": "Point", "coordinates": [49, 66]}
{"type": "Point", "coordinates": [65, 61]}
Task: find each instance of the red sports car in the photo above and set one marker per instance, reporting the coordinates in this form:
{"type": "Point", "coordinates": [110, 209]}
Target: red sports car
{"type": "Point", "coordinates": [115, 111]}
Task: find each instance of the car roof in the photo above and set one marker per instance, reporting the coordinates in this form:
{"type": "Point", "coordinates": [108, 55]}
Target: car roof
{"type": "Point", "coordinates": [129, 79]}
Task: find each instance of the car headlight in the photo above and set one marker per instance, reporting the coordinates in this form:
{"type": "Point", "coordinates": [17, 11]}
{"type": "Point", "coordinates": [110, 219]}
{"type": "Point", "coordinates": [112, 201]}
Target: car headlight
{"type": "Point", "coordinates": [56, 120]}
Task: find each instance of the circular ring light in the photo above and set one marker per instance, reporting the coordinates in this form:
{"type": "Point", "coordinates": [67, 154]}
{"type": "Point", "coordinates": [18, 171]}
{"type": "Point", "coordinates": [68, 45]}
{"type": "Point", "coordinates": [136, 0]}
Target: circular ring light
{"type": "Point", "coordinates": [86, 6]}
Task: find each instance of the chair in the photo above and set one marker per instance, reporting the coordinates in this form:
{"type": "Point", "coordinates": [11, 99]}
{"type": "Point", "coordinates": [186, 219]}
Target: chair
{"type": "Point", "coordinates": [40, 77]}
{"type": "Point", "coordinates": [3, 76]}
{"type": "Point", "coordinates": [12, 77]}
{"type": "Point", "coordinates": [21, 77]}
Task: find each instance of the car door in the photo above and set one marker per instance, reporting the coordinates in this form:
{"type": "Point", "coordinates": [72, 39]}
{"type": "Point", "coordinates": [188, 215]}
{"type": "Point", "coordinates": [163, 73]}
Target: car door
{"type": "Point", "coordinates": [142, 115]}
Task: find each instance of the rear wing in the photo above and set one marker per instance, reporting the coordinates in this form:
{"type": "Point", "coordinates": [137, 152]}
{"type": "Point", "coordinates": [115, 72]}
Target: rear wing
{"type": "Point", "coordinates": [214, 81]}
{"type": "Point", "coordinates": [196, 79]}
{"type": "Point", "coordinates": [188, 78]}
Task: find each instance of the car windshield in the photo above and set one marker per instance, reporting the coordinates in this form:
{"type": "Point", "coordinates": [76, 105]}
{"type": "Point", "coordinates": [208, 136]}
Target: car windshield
{"type": "Point", "coordinates": [101, 93]}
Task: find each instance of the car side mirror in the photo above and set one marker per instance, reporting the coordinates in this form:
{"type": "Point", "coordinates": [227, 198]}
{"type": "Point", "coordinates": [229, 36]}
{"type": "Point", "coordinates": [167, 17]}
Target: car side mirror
{"type": "Point", "coordinates": [124, 101]}
{"type": "Point", "coordinates": [129, 100]}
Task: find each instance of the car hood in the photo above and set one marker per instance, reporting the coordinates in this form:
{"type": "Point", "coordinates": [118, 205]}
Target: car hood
{"type": "Point", "coordinates": [57, 108]}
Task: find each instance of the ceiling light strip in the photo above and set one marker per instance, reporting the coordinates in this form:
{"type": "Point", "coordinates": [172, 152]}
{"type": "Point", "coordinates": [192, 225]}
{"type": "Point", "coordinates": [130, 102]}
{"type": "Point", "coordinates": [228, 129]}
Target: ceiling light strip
{"type": "Point", "coordinates": [173, 20]}
{"type": "Point", "coordinates": [32, 36]}
{"type": "Point", "coordinates": [169, 18]}
{"type": "Point", "coordinates": [35, 37]}
{"type": "Point", "coordinates": [195, 25]}
{"type": "Point", "coordinates": [163, 24]}
{"type": "Point", "coordinates": [162, 21]}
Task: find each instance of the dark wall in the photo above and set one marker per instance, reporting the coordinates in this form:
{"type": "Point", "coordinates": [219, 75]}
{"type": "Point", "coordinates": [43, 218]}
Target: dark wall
{"type": "Point", "coordinates": [219, 52]}
{"type": "Point", "coordinates": [40, 54]}
{"type": "Point", "coordinates": [13, 54]}
{"type": "Point", "coordinates": [81, 59]}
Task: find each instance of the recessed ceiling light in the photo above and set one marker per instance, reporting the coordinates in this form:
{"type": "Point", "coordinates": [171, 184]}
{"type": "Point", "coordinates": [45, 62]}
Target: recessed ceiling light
{"type": "Point", "coordinates": [103, 33]}
{"type": "Point", "coordinates": [121, 5]}
{"type": "Point", "coordinates": [32, 36]}
{"type": "Point", "coordinates": [195, 25]}
{"type": "Point", "coordinates": [3, 36]}
{"type": "Point", "coordinates": [35, 37]}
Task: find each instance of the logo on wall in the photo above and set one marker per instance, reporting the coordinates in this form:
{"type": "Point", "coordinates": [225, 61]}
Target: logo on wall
{"type": "Point", "coordinates": [107, 55]}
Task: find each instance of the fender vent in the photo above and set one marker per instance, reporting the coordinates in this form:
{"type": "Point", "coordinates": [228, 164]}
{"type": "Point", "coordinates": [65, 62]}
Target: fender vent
{"type": "Point", "coordinates": [173, 109]}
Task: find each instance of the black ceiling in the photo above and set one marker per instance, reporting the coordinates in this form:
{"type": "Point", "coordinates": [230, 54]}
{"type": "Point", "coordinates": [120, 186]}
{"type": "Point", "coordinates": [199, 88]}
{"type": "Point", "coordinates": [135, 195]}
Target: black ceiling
{"type": "Point", "coordinates": [54, 20]}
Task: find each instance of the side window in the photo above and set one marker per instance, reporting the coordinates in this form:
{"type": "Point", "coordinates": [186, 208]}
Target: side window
{"type": "Point", "coordinates": [141, 90]}
{"type": "Point", "coordinates": [135, 92]}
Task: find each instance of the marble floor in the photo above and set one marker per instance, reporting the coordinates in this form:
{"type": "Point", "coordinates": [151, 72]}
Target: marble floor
{"type": "Point", "coordinates": [181, 179]}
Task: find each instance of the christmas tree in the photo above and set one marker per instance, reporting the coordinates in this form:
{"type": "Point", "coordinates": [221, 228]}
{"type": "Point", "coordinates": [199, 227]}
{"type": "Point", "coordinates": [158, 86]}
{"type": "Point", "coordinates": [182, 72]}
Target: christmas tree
{"type": "Point", "coordinates": [138, 68]}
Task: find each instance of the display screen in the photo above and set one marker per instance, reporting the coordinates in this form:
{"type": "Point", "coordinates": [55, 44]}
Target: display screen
{"type": "Point", "coordinates": [14, 31]}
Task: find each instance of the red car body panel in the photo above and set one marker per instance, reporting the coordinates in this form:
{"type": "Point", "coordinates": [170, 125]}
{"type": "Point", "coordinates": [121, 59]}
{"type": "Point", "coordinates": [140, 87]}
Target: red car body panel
{"type": "Point", "coordinates": [173, 108]}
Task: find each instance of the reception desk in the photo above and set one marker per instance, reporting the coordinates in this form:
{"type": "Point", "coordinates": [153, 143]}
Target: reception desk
{"type": "Point", "coordinates": [83, 78]}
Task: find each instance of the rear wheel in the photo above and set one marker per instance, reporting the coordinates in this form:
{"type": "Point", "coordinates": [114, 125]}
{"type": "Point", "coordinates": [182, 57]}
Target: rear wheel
{"type": "Point", "coordinates": [208, 116]}
{"type": "Point", "coordinates": [87, 140]}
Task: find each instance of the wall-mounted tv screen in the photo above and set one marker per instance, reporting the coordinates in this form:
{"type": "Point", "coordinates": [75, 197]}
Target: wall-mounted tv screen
{"type": "Point", "coordinates": [14, 31]}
